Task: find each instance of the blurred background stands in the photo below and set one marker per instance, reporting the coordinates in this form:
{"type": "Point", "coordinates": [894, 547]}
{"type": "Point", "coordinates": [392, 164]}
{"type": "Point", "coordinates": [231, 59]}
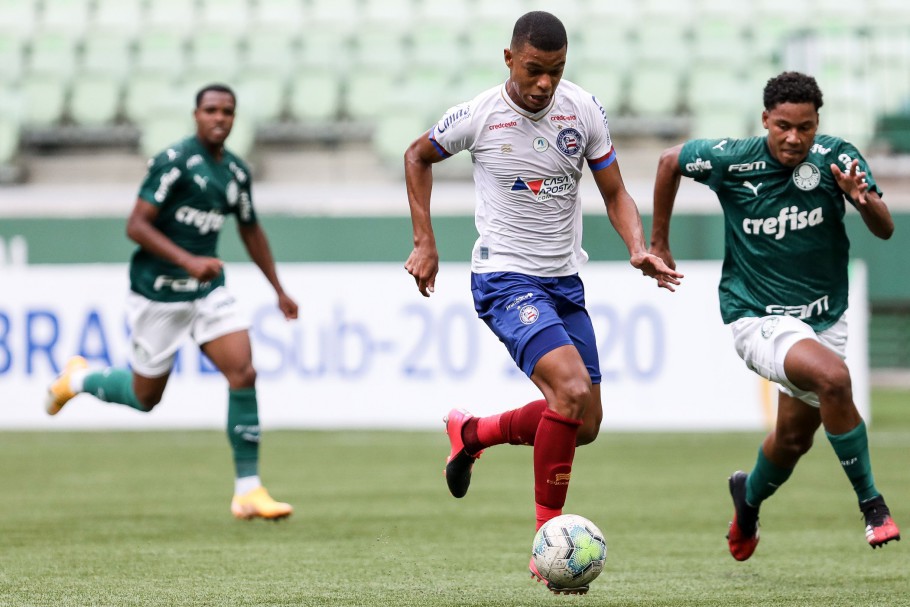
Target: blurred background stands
{"type": "Point", "coordinates": [121, 74]}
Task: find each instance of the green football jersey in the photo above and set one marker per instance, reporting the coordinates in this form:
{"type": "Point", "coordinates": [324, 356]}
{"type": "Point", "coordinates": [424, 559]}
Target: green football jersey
{"type": "Point", "coordinates": [785, 248]}
{"type": "Point", "coordinates": [193, 193]}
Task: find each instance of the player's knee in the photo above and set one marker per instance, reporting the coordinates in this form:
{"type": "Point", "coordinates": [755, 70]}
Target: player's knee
{"type": "Point", "coordinates": [835, 386]}
{"type": "Point", "coordinates": [574, 397]}
{"type": "Point", "coordinates": [791, 446]}
{"type": "Point", "coordinates": [244, 377]}
{"type": "Point", "coordinates": [587, 434]}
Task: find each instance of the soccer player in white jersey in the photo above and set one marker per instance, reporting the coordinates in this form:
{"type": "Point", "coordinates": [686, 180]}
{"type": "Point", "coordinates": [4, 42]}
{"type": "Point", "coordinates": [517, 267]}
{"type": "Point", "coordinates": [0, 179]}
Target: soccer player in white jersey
{"type": "Point", "coordinates": [783, 288]}
{"type": "Point", "coordinates": [529, 139]}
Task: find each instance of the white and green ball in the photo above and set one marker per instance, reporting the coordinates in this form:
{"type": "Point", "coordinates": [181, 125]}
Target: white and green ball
{"type": "Point", "coordinates": [569, 551]}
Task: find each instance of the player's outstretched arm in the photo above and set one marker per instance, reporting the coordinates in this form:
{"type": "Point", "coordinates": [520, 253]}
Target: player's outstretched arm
{"type": "Point", "coordinates": [626, 220]}
{"type": "Point", "coordinates": [871, 207]}
{"type": "Point", "coordinates": [423, 262]}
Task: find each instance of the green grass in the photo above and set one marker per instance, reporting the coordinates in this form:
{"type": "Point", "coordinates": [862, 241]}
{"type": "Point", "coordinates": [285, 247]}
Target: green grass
{"type": "Point", "coordinates": [122, 519]}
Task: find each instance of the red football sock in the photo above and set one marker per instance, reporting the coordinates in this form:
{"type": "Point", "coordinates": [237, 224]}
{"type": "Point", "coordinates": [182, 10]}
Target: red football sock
{"type": "Point", "coordinates": [554, 450]}
{"type": "Point", "coordinates": [516, 427]}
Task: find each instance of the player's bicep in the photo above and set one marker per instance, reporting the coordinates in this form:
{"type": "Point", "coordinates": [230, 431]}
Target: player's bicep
{"type": "Point", "coordinates": [425, 149]}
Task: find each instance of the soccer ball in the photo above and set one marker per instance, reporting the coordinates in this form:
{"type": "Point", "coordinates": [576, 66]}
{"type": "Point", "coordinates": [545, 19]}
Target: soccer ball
{"type": "Point", "coordinates": [569, 551]}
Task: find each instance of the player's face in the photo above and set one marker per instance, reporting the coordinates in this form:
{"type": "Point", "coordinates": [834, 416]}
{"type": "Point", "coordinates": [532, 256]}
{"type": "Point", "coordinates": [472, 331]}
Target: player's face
{"type": "Point", "coordinates": [214, 117]}
{"type": "Point", "coordinates": [533, 75]}
{"type": "Point", "coordinates": [791, 131]}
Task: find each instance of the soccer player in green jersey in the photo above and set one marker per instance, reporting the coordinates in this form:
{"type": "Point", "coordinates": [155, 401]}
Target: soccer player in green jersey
{"type": "Point", "coordinates": [783, 287]}
{"type": "Point", "coordinates": [177, 290]}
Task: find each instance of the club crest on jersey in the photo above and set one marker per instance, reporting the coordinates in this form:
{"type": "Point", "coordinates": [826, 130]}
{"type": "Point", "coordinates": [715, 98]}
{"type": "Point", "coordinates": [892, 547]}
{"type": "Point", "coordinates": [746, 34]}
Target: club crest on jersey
{"type": "Point", "coordinates": [528, 314]}
{"type": "Point", "coordinates": [568, 141]}
{"type": "Point", "coordinates": [807, 176]}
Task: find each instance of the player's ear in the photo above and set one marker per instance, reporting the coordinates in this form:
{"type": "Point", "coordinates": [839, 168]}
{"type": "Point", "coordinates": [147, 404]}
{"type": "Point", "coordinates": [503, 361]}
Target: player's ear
{"type": "Point", "coordinates": [764, 118]}
{"type": "Point", "coordinates": [507, 55]}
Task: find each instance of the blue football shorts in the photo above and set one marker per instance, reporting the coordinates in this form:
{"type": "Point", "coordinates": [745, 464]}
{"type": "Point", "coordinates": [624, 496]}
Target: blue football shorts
{"type": "Point", "coordinates": [533, 315]}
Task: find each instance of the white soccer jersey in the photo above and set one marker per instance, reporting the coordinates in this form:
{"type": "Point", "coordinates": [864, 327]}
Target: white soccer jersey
{"type": "Point", "coordinates": [526, 172]}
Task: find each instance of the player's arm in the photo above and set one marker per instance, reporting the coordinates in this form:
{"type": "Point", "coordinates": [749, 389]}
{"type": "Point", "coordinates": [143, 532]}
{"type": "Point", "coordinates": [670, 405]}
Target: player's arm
{"type": "Point", "coordinates": [666, 185]}
{"type": "Point", "coordinates": [870, 205]}
{"type": "Point", "coordinates": [623, 214]}
{"type": "Point", "coordinates": [257, 246]}
{"type": "Point", "coordinates": [140, 228]}
{"type": "Point", "coordinates": [423, 262]}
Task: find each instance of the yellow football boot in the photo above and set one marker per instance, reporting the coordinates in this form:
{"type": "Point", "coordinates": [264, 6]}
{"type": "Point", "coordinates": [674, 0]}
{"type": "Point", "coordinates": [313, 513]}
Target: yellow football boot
{"type": "Point", "coordinates": [258, 503]}
{"type": "Point", "coordinates": [59, 392]}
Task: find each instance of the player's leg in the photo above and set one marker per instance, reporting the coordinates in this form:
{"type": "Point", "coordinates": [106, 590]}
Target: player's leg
{"type": "Point", "coordinates": [232, 355]}
{"type": "Point", "coordinates": [814, 367]}
{"type": "Point", "coordinates": [156, 332]}
{"type": "Point", "coordinates": [777, 456]}
{"type": "Point", "coordinates": [563, 379]}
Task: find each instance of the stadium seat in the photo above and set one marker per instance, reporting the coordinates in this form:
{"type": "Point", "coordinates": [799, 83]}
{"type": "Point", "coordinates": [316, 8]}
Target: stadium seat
{"type": "Point", "coordinates": [53, 53]}
{"type": "Point", "coordinates": [315, 96]}
{"type": "Point", "coordinates": [393, 134]}
{"type": "Point", "coordinates": [161, 51]}
{"type": "Point", "coordinates": [143, 91]}
{"type": "Point", "coordinates": [107, 52]}
{"type": "Point", "coordinates": [230, 16]}
{"type": "Point", "coordinates": [605, 81]}
{"type": "Point", "coordinates": [120, 16]}
{"type": "Point", "coordinates": [393, 13]}
{"type": "Point", "coordinates": [654, 90]}
{"type": "Point", "coordinates": [342, 16]}
{"type": "Point", "coordinates": [279, 15]}
{"type": "Point", "coordinates": [380, 46]}
{"type": "Point", "coordinates": [261, 96]}
{"type": "Point", "coordinates": [71, 15]}
{"type": "Point", "coordinates": [95, 100]}
{"type": "Point", "coordinates": [12, 57]}
{"type": "Point", "coordinates": [44, 100]}
{"type": "Point", "coordinates": [214, 56]}
{"type": "Point", "coordinates": [20, 16]}
{"type": "Point", "coordinates": [9, 139]}
{"type": "Point", "coordinates": [326, 48]}
{"type": "Point", "coordinates": [179, 16]}
{"type": "Point", "coordinates": [272, 51]}
{"type": "Point", "coordinates": [434, 44]}
{"type": "Point", "coordinates": [162, 129]}
{"type": "Point", "coordinates": [368, 93]}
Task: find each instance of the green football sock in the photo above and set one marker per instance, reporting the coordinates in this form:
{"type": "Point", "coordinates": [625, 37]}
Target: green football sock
{"type": "Point", "coordinates": [243, 430]}
{"type": "Point", "coordinates": [113, 386]}
{"type": "Point", "coordinates": [852, 448]}
{"type": "Point", "coordinates": [764, 479]}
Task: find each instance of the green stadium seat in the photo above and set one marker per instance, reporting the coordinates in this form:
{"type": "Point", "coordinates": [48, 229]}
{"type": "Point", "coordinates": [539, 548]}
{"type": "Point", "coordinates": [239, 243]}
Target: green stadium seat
{"type": "Point", "coordinates": [368, 93]}
{"type": "Point", "coordinates": [107, 52]}
{"type": "Point", "coordinates": [69, 15]}
{"type": "Point", "coordinates": [381, 47]}
{"type": "Point", "coordinates": [279, 16]}
{"type": "Point", "coordinates": [161, 51]}
{"type": "Point", "coordinates": [95, 100]}
{"type": "Point", "coordinates": [392, 136]}
{"type": "Point", "coordinates": [261, 96]}
{"type": "Point", "coordinates": [20, 16]}
{"type": "Point", "coordinates": [655, 90]}
{"type": "Point", "coordinates": [172, 15]}
{"type": "Point", "coordinates": [340, 16]}
{"type": "Point", "coordinates": [44, 100]}
{"type": "Point", "coordinates": [12, 57]}
{"type": "Point", "coordinates": [605, 81]}
{"type": "Point", "coordinates": [53, 53]}
{"type": "Point", "coordinates": [214, 56]}
{"type": "Point", "coordinates": [434, 44]}
{"type": "Point", "coordinates": [326, 48]}
{"type": "Point", "coordinates": [120, 16]}
{"type": "Point", "coordinates": [272, 51]}
{"type": "Point", "coordinates": [232, 16]}
{"type": "Point", "coordinates": [315, 96]}
{"type": "Point", "coordinates": [164, 128]}
{"type": "Point", "coordinates": [142, 93]}
{"type": "Point", "coordinates": [10, 113]}
{"type": "Point", "coordinates": [393, 13]}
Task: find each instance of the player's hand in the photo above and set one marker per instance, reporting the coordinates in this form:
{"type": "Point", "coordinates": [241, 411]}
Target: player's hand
{"type": "Point", "coordinates": [653, 266]}
{"type": "Point", "coordinates": [853, 183]}
{"type": "Point", "coordinates": [204, 269]}
{"type": "Point", "coordinates": [423, 265]}
{"type": "Point", "coordinates": [287, 306]}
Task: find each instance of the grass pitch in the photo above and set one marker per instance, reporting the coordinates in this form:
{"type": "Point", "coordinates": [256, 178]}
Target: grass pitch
{"type": "Point", "coordinates": [136, 518]}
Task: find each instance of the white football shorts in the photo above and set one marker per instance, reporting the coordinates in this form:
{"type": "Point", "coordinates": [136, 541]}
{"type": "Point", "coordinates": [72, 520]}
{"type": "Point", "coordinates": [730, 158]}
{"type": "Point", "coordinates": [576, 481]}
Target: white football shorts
{"type": "Point", "coordinates": [763, 344]}
{"type": "Point", "coordinates": [158, 329]}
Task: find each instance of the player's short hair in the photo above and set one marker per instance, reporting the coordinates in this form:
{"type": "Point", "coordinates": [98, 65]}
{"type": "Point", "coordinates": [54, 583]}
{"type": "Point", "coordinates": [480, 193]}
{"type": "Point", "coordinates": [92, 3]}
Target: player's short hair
{"type": "Point", "coordinates": [541, 30]}
{"type": "Point", "coordinates": [216, 87]}
{"type": "Point", "coordinates": [792, 87]}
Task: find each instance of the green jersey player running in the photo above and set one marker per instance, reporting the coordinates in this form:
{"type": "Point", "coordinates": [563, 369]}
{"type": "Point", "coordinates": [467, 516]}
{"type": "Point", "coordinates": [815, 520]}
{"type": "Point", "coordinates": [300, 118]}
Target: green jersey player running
{"type": "Point", "coordinates": [783, 287]}
{"type": "Point", "coordinates": [177, 291]}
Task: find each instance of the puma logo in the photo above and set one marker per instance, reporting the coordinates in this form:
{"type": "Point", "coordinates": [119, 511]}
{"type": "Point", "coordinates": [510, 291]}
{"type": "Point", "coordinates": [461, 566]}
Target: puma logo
{"type": "Point", "coordinates": [754, 188]}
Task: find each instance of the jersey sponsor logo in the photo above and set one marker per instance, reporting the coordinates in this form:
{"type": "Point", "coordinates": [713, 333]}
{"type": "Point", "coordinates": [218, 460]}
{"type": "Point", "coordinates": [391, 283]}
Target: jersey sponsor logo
{"type": "Point", "coordinates": [807, 176]}
{"type": "Point", "coordinates": [789, 218]}
{"type": "Point", "coordinates": [528, 314]}
{"type": "Point", "coordinates": [546, 188]}
{"type": "Point", "coordinates": [603, 112]}
{"type": "Point", "coordinates": [456, 115]}
{"type": "Point", "coordinates": [193, 161]}
{"type": "Point", "coordinates": [699, 166]}
{"type": "Point", "coordinates": [819, 149]}
{"type": "Point", "coordinates": [541, 144]}
{"type": "Point", "coordinates": [563, 117]}
{"type": "Point", "coordinates": [165, 183]}
{"type": "Point", "coordinates": [568, 141]}
{"type": "Point", "coordinates": [747, 167]}
{"type": "Point", "coordinates": [815, 308]}
{"type": "Point", "coordinates": [186, 284]}
{"type": "Point", "coordinates": [205, 221]}
{"type": "Point", "coordinates": [502, 125]}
